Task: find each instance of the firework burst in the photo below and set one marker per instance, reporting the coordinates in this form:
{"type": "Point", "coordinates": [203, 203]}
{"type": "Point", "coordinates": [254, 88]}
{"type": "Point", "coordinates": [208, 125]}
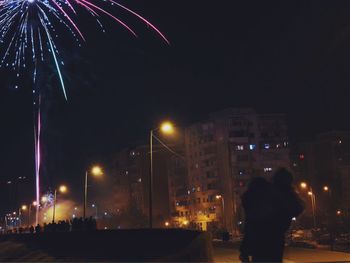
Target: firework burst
{"type": "Point", "coordinates": [28, 29]}
{"type": "Point", "coordinates": [28, 35]}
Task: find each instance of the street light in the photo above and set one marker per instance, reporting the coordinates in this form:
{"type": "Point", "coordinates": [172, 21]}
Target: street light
{"type": "Point", "coordinates": [96, 171]}
{"type": "Point", "coordinates": [62, 189]}
{"type": "Point", "coordinates": [166, 128]}
{"type": "Point", "coordinates": [95, 206]}
{"type": "Point", "coordinates": [34, 203]}
{"type": "Point", "coordinates": [220, 197]}
{"type": "Point", "coordinates": [22, 208]}
{"type": "Point", "coordinates": [304, 186]}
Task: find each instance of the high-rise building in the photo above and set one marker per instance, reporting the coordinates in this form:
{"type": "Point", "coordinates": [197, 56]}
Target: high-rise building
{"type": "Point", "coordinates": [223, 153]}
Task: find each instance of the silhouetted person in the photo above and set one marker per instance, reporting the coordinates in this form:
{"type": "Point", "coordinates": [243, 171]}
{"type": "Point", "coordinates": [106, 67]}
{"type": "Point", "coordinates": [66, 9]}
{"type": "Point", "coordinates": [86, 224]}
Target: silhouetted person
{"type": "Point", "coordinates": [257, 203]}
{"type": "Point", "coordinates": [287, 205]}
{"type": "Point", "coordinates": [37, 229]}
{"type": "Point", "coordinates": [31, 229]}
{"type": "Point", "coordinates": [269, 210]}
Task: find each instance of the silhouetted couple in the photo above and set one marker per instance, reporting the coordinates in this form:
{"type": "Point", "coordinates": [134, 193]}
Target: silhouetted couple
{"type": "Point", "coordinates": [269, 209]}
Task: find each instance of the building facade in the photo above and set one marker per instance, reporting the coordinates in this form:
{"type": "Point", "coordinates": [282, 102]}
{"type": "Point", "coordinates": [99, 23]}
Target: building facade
{"type": "Point", "coordinates": [223, 153]}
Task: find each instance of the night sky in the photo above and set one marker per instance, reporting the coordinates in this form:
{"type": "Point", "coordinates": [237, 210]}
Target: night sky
{"type": "Point", "coordinates": [288, 57]}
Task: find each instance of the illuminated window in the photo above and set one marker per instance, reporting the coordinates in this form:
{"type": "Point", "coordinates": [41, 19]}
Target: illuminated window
{"type": "Point", "coordinates": [239, 147]}
{"type": "Point", "coordinates": [266, 146]}
{"type": "Point", "coordinates": [301, 156]}
{"type": "Point", "coordinates": [252, 147]}
{"type": "Point", "coordinates": [267, 169]}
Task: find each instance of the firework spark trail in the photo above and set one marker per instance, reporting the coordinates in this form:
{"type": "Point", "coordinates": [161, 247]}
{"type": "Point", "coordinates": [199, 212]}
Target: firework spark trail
{"type": "Point", "coordinates": [27, 30]}
{"type": "Point", "coordinates": [17, 18]}
{"type": "Point", "coordinates": [37, 135]}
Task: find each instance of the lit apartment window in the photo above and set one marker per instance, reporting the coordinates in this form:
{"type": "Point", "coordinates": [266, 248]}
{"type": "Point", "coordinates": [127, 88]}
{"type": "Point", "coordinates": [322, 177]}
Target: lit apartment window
{"type": "Point", "coordinates": [267, 169]}
{"type": "Point", "coordinates": [241, 172]}
{"type": "Point", "coordinates": [239, 147]}
{"type": "Point", "coordinates": [266, 146]}
{"type": "Point", "coordinates": [252, 147]}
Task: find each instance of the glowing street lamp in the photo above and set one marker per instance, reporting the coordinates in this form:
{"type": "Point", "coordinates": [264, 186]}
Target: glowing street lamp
{"type": "Point", "coordinates": [62, 189]}
{"type": "Point", "coordinates": [303, 185]}
{"type": "Point", "coordinates": [166, 128]}
{"type": "Point", "coordinates": [95, 171]}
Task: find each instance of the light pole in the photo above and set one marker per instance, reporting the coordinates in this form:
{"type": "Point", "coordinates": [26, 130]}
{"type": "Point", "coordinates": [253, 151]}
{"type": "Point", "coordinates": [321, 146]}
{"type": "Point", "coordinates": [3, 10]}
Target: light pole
{"type": "Point", "coordinates": [22, 208]}
{"type": "Point", "coordinates": [167, 128]}
{"type": "Point", "coordinates": [220, 197]}
{"type": "Point", "coordinates": [313, 205]}
{"type": "Point", "coordinates": [61, 189]}
{"type": "Point", "coordinates": [95, 171]}
{"type": "Point", "coordinates": [95, 206]}
{"type": "Point", "coordinates": [312, 195]}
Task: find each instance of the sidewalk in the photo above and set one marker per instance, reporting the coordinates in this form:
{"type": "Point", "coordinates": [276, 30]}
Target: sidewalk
{"type": "Point", "coordinates": [227, 255]}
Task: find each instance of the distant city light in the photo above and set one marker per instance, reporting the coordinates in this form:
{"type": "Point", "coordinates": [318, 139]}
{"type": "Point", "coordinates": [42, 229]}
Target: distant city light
{"type": "Point", "coordinates": [266, 146]}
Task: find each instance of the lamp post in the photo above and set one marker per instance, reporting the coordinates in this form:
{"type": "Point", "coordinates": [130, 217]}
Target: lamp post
{"type": "Point", "coordinates": [61, 189]}
{"type": "Point", "coordinates": [34, 203]}
{"type": "Point", "coordinates": [95, 206]}
{"type": "Point", "coordinates": [166, 128]}
{"type": "Point", "coordinates": [220, 197]}
{"type": "Point", "coordinates": [95, 171]}
{"type": "Point", "coordinates": [312, 195]}
{"type": "Point", "coordinates": [22, 208]}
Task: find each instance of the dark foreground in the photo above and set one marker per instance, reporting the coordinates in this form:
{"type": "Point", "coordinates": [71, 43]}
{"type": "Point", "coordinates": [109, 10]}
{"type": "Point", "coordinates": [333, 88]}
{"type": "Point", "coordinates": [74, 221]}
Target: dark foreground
{"type": "Point", "coordinates": [172, 245]}
{"type": "Point", "coordinates": [292, 255]}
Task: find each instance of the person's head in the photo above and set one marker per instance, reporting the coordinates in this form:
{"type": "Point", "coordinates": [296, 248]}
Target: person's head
{"type": "Point", "coordinates": [282, 178]}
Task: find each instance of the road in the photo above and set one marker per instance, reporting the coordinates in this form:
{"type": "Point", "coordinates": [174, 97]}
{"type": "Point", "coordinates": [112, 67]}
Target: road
{"type": "Point", "coordinates": [230, 255]}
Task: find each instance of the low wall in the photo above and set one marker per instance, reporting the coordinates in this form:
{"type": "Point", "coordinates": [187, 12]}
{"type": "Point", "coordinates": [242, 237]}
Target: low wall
{"type": "Point", "coordinates": [139, 245]}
